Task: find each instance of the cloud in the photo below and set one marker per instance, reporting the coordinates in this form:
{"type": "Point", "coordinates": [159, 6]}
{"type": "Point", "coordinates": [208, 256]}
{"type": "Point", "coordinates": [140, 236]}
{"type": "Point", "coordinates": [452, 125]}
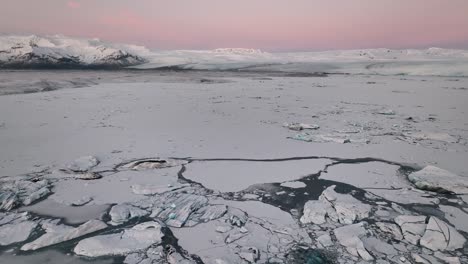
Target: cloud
{"type": "Point", "coordinates": [73, 4]}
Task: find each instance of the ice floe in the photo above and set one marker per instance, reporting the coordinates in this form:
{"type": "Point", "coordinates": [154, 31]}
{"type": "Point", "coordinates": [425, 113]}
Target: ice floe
{"type": "Point", "coordinates": [435, 179]}
{"type": "Point", "coordinates": [137, 238]}
{"type": "Point", "coordinates": [441, 236]}
{"type": "Point", "coordinates": [15, 228]}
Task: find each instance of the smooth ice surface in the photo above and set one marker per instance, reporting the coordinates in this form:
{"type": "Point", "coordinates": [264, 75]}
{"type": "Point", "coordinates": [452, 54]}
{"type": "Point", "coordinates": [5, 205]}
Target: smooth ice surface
{"type": "Point", "coordinates": [238, 175]}
{"type": "Point", "coordinates": [239, 119]}
{"type": "Point", "coordinates": [380, 179]}
{"type": "Point", "coordinates": [71, 214]}
{"type": "Point", "coordinates": [120, 185]}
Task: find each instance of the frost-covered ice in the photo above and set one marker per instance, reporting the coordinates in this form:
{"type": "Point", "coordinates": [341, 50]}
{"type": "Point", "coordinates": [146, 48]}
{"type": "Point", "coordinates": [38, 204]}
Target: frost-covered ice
{"type": "Point", "coordinates": [196, 167]}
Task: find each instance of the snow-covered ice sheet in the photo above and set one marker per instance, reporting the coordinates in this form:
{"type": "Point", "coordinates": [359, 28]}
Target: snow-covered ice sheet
{"type": "Point", "coordinates": [205, 159]}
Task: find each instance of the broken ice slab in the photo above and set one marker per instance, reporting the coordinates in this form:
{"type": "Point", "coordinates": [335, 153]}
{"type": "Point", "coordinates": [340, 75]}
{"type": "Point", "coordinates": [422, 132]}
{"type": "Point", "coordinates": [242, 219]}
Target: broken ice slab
{"type": "Point", "coordinates": [412, 226]}
{"type": "Point", "coordinates": [56, 234]}
{"type": "Point", "coordinates": [386, 112]}
{"type": "Point", "coordinates": [15, 228]}
{"type": "Point", "coordinates": [391, 229]}
{"type": "Point", "coordinates": [248, 224]}
{"type": "Point", "coordinates": [350, 237]}
{"type": "Point", "coordinates": [435, 179]}
{"type": "Point", "coordinates": [300, 126]}
{"type": "Point", "coordinates": [443, 137]}
{"type": "Point", "coordinates": [318, 138]}
{"type": "Point", "coordinates": [441, 236]}
{"type": "Point", "coordinates": [175, 208]}
{"type": "Point", "coordinates": [15, 193]}
{"type": "Point", "coordinates": [206, 214]}
{"type": "Point", "coordinates": [149, 164]}
{"type": "Point", "coordinates": [381, 179]}
{"type": "Point", "coordinates": [152, 189]}
{"type": "Point", "coordinates": [137, 238]}
{"type": "Point", "coordinates": [88, 176]}
{"type": "Point", "coordinates": [337, 207]}
{"type": "Point", "coordinates": [293, 184]}
{"type": "Point", "coordinates": [121, 213]}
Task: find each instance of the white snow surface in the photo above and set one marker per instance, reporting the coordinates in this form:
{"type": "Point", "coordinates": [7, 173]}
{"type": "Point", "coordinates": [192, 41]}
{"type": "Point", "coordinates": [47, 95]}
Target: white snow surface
{"type": "Point", "coordinates": [54, 50]}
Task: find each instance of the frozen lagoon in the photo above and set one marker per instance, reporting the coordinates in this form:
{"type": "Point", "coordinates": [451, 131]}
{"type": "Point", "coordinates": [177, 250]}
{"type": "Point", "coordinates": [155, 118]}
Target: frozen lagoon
{"type": "Point", "coordinates": [220, 162]}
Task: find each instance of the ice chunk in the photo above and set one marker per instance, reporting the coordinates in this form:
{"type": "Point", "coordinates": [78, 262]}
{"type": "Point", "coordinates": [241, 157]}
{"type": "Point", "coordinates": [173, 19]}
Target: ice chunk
{"type": "Point", "coordinates": [206, 214]}
{"type": "Point", "coordinates": [325, 240]}
{"type": "Point", "coordinates": [342, 208]}
{"type": "Point", "coordinates": [151, 164]}
{"type": "Point", "coordinates": [443, 137]}
{"type": "Point", "coordinates": [60, 233]}
{"type": "Point", "coordinates": [413, 227]}
{"type": "Point", "coordinates": [373, 244]}
{"type": "Point", "coordinates": [176, 208]}
{"type": "Point", "coordinates": [390, 228]}
{"type": "Point", "coordinates": [300, 126]}
{"type": "Point", "coordinates": [348, 208]}
{"type": "Point", "coordinates": [15, 193]}
{"type": "Point", "coordinates": [294, 184]}
{"type": "Point", "coordinates": [350, 237]}
{"type": "Point", "coordinates": [150, 189]}
{"type": "Point", "coordinates": [249, 254]}
{"type": "Point", "coordinates": [441, 236]}
{"type": "Point", "coordinates": [139, 237]}
{"type": "Point", "coordinates": [386, 112]}
{"type": "Point", "coordinates": [83, 164]}
{"type": "Point", "coordinates": [315, 212]}
{"type": "Point", "coordinates": [435, 179]}
{"type": "Point", "coordinates": [320, 138]}
{"type": "Point", "coordinates": [16, 232]}
{"type": "Point", "coordinates": [121, 213]}
{"type": "Point", "coordinates": [88, 176]}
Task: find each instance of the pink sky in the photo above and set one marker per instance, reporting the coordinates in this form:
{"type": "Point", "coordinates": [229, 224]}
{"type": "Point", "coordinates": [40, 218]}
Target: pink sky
{"type": "Point", "coordinates": [265, 24]}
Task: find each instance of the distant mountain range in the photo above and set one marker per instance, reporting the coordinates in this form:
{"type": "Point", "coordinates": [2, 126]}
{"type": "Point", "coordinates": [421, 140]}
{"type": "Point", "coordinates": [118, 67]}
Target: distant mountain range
{"type": "Point", "coordinates": [26, 52]}
{"type": "Point", "coordinates": [63, 52]}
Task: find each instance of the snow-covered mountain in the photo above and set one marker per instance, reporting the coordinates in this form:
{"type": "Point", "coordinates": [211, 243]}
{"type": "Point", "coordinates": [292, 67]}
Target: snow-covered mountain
{"type": "Point", "coordinates": [63, 52]}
